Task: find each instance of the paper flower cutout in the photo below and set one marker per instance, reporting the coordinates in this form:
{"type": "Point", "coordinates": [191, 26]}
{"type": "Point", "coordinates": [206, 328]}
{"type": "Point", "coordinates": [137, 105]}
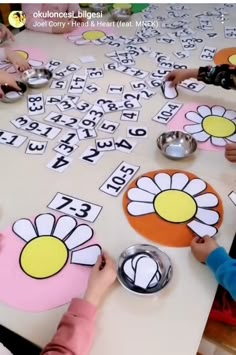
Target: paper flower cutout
{"type": "Point", "coordinates": [215, 123]}
{"type": "Point", "coordinates": [87, 36]}
{"type": "Point", "coordinates": [166, 206]}
{"type": "Point", "coordinates": [226, 56]}
{"type": "Point", "coordinates": [7, 66]}
{"type": "Point", "coordinates": [44, 261]}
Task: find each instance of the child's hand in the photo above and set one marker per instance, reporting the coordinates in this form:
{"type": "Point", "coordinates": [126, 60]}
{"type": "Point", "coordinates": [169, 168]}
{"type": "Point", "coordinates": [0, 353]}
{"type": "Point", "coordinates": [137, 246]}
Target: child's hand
{"type": "Point", "coordinates": [7, 79]}
{"type": "Point", "coordinates": [102, 277]}
{"type": "Point", "coordinates": [5, 34]}
{"type": "Point", "coordinates": [179, 75]}
{"type": "Point", "coordinates": [18, 62]}
{"type": "Point", "coordinates": [230, 152]}
{"type": "Point", "coordinates": [203, 247]}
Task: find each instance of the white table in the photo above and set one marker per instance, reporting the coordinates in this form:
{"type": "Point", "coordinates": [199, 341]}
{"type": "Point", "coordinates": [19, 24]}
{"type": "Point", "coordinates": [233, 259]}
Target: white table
{"type": "Point", "coordinates": [173, 321]}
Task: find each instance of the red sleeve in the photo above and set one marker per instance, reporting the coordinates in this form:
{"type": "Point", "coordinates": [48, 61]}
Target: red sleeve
{"type": "Point", "coordinates": [75, 332]}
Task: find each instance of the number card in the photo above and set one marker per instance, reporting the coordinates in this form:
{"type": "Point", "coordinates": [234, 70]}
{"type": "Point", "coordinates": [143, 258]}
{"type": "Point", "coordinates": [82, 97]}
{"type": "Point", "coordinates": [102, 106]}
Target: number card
{"type": "Point", "coordinates": [129, 115]}
{"type": "Point", "coordinates": [137, 73]}
{"type": "Point", "coordinates": [35, 104]}
{"type": "Point", "coordinates": [58, 84]}
{"type": "Point", "coordinates": [77, 84]}
{"type": "Point", "coordinates": [108, 126]}
{"type": "Point", "coordinates": [83, 106]}
{"type": "Point", "coordinates": [154, 83]}
{"type": "Point", "coordinates": [59, 163]}
{"type": "Point", "coordinates": [206, 24]}
{"type": "Point", "coordinates": [37, 128]}
{"type": "Point", "coordinates": [62, 120]}
{"type": "Point", "coordinates": [66, 71]}
{"type": "Point", "coordinates": [212, 34]}
{"type": "Point", "coordinates": [53, 99]}
{"type": "Point", "coordinates": [125, 145]}
{"type": "Point", "coordinates": [119, 179]}
{"type": "Point", "coordinates": [232, 196]}
{"type": "Point", "coordinates": [120, 105]}
{"type": "Point", "coordinates": [110, 66]}
{"type": "Point", "coordinates": [95, 73]}
{"type": "Point", "coordinates": [66, 105]}
{"type": "Point", "coordinates": [138, 85]}
{"type": "Point", "coordinates": [165, 39]}
{"type": "Point", "coordinates": [92, 118]}
{"type": "Point", "coordinates": [167, 112]}
{"type": "Point", "coordinates": [73, 98]}
{"type": "Point", "coordinates": [138, 132]}
{"type": "Point", "coordinates": [188, 43]}
{"type": "Point", "coordinates": [230, 32]}
{"type": "Point", "coordinates": [69, 138]}
{"type": "Point", "coordinates": [84, 133]}
{"type": "Point", "coordinates": [36, 148]}
{"type": "Point", "coordinates": [115, 89]}
{"type": "Point", "coordinates": [91, 155]}
{"type": "Point", "coordinates": [159, 74]}
{"type": "Point", "coordinates": [75, 207]}
{"type": "Point", "coordinates": [11, 139]}
{"type": "Point", "coordinates": [53, 64]}
{"type": "Point", "coordinates": [92, 88]}
{"type": "Point", "coordinates": [208, 53]}
{"type": "Point", "coordinates": [105, 144]}
{"type": "Point", "coordinates": [125, 58]}
{"type": "Point", "coordinates": [182, 54]}
{"type": "Point", "coordinates": [65, 149]}
{"type": "Point", "coordinates": [195, 86]}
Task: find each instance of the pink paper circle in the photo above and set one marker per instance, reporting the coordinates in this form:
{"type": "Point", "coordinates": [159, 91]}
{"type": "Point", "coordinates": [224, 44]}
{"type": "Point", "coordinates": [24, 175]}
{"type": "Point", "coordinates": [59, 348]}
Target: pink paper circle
{"type": "Point", "coordinates": [179, 121]}
{"type": "Point", "coordinates": [28, 294]}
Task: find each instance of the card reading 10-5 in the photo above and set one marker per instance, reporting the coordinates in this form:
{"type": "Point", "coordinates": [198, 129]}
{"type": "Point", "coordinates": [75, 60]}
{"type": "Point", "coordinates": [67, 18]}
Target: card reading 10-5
{"type": "Point", "coordinates": [75, 207]}
{"type": "Point", "coordinates": [35, 104]}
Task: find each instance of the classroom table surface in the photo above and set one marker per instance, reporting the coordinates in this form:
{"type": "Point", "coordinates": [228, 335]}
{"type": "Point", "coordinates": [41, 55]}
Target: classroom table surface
{"type": "Point", "coordinates": [172, 321]}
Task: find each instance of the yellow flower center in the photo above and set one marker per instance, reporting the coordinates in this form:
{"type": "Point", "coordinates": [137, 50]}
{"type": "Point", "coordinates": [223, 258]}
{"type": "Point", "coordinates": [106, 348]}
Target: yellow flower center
{"type": "Point", "coordinates": [44, 257]}
{"type": "Point", "coordinates": [217, 126]}
{"type": "Point", "coordinates": [175, 206]}
{"type": "Point", "coordinates": [232, 59]}
{"type": "Point", "coordinates": [93, 35]}
{"type": "Point", "coordinates": [22, 54]}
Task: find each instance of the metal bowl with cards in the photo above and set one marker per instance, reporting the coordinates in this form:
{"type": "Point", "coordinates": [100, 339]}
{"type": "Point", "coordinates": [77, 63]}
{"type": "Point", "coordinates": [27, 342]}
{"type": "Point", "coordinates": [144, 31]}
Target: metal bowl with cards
{"type": "Point", "coordinates": [36, 77]}
{"type": "Point", "coordinates": [11, 94]}
{"type": "Point", "coordinates": [121, 14]}
{"type": "Point", "coordinates": [176, 144]}
{"type": "Point", "coordinates": [144, 269]}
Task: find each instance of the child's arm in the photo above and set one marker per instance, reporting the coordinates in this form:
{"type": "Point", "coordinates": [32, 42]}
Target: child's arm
{"type": "Point", "coordinates": [75, 332]}
{"type": "Point", "coordinates": [224, 268]}
{"type": "Point", "coordinates": [206, 250]}
{"type": "Point", "coordinates": [76, 329]}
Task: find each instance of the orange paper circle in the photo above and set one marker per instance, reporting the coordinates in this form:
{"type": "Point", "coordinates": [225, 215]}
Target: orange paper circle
{"type": "Point", "coordinates": [158, 230]}
{"type": "Point", "coordinates": [226, 56]}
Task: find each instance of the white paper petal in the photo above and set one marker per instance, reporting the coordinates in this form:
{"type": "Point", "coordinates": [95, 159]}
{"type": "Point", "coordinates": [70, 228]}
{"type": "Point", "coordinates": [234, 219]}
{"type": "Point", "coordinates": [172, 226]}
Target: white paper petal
{"type": "Point", "coordinates": [207, 200]}
{"type": "Point", "coordinates": [35, 63]}
{"type": "Point", "coordinates": [169, 91]}
{"type": "Point", "coordinates": [82, 234]}
{"type": "Point", "coordinates": [194, 117]}
{"type": "Point", "coordinates": [231, 138]}
{"type": "Point", "coordinates": [140, 208]}
{"type": "Point", "coordinates": [24, 229]}
{"type": "Point", "coordinates": [207, 216]}
{"type": "Point", "coordinates": [193, 128]}
{"type": "Point", "coordinates": [218, 111]}
{"type": "Point", "coordinates": [147, 184]}
{"type": "Point", "coordinates": [136, 258]}
{"type": "Point", "coordinates": [163, 181]}
{"type": "Point", "coordinates": [64, 226]}
{"type": "Point", "coordinates": [128, 270]}
{"type": "Point", "coordinates": [45, 224]}
{"type": "Point", "coordinates": [82, 41]}
{"type": "Point", "coordinates": [201, 136]}
{"type": "Point", "coordinates": [178, 181]}
{"type": "Point", "coordinates": [195, 186]}
{"type": "Point", "coordinates": [146, 269]}
{"type": "Point", "coordinates": [204, 111]}
{"type": "Point", "coordinates": [74, 38]}
{"type": "Point", "coordinates": [87, 256]}
{"type": "Point", "coordinates": [136, 194]}
{"type": "Point", "coordinates": [220, 142]}
{"type": "Point", "coordinates": [201, 229]}
{"type": "Point", "coordinates": [230, 114]}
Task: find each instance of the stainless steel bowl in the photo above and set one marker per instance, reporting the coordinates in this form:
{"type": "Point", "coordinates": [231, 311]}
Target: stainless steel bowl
{"type": "Point", "coordinates": [131, 256]}
{"type": "Point", "coordinates": [36, 77]}
{"type": "Point", "coordinates": [99, 7]}
{"type": "Point", "coordinates": [11, 95]}
{"type": "Point", "coordinates": [176, 144]}
{"type": "Point", "coordinates": [121, 14]}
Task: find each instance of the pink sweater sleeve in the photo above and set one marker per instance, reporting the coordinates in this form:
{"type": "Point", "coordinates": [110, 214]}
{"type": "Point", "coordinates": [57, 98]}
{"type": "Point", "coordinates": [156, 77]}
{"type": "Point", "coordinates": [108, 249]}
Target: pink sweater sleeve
{"type": "Point", "coordinates": [75, 332]}
{"type": "Point", "coordinates": [2, 54]}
